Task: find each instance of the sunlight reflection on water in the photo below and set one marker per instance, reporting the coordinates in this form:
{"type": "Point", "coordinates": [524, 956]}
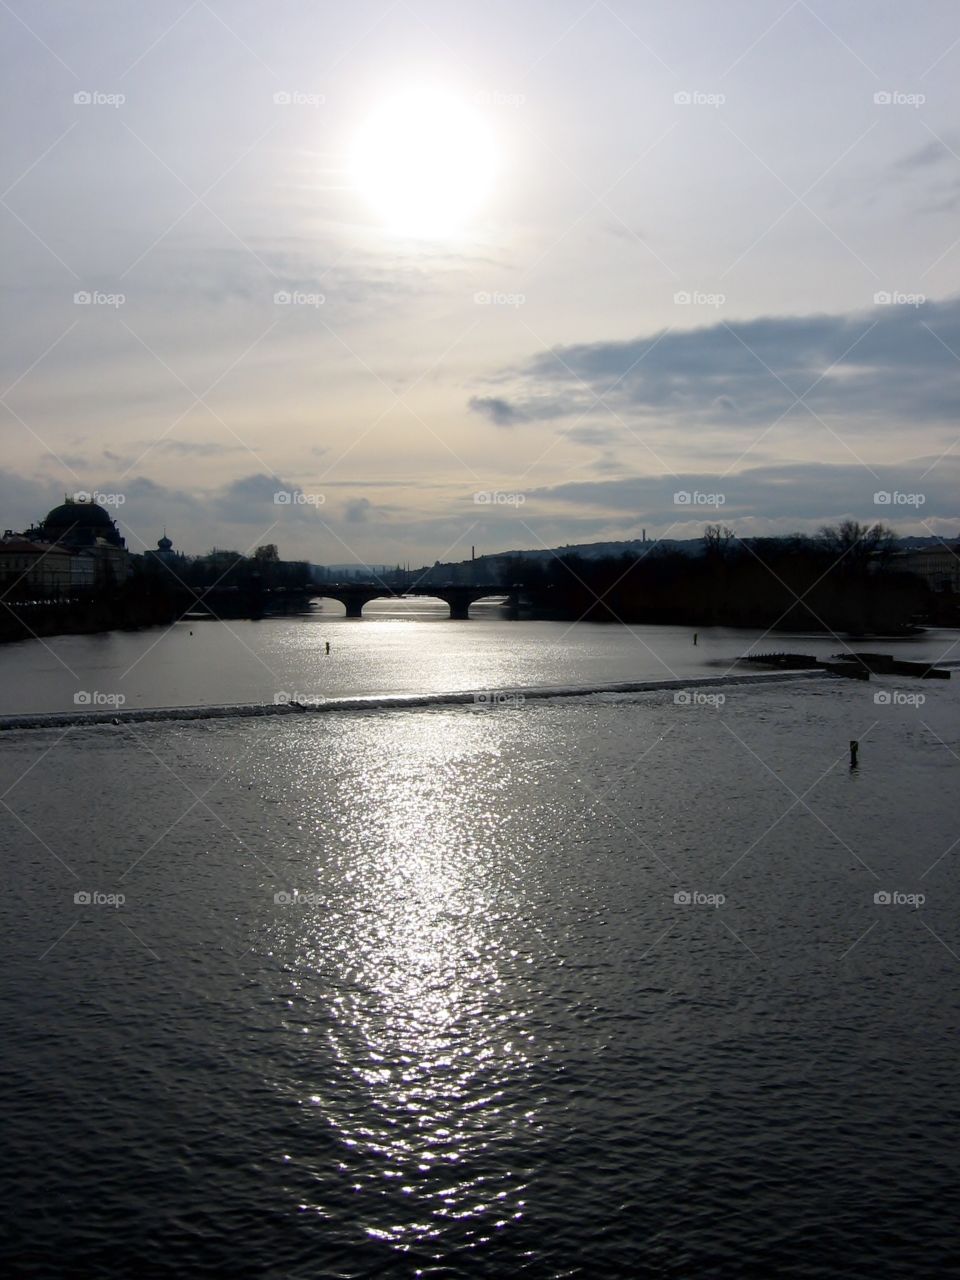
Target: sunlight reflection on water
{"type": "Point", "coordinates": [425, 1030]}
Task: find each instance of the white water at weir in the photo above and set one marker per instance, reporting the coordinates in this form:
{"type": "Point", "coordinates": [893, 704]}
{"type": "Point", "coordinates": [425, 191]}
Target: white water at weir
{"type": "Point", "coordinates": [481, 698]}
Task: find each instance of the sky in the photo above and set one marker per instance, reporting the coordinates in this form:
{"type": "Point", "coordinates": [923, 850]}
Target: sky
{"type": "Point", "coordinates": [384, 281]}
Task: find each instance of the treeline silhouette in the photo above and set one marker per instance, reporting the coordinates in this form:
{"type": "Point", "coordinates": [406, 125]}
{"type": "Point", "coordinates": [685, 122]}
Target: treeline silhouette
{"type": "Point", "coordinates": [840, 580]}
{"type": "Point", "coordinates": [224, 584]}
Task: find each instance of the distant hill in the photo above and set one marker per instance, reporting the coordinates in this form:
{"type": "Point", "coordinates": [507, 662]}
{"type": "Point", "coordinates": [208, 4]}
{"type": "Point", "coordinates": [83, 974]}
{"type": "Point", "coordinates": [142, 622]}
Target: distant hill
{"type": "Point", "coordinates": [487, 568]}
{"type": "Point", "coordinates": [598, 550]}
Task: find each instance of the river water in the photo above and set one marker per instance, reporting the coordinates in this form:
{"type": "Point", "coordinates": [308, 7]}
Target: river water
{"type": "Point", "coordinates": [398, 647]}
{"type": "Point", "coordinates": [589, 987]}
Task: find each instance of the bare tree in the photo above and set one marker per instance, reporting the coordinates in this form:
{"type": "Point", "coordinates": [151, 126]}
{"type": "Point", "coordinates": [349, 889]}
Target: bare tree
{"type": "Point", "coordinates": [858, 544]}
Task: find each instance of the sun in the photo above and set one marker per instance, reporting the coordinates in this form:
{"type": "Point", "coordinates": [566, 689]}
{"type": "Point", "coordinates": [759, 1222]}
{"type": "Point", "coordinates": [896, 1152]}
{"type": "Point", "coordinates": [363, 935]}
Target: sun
{"type": "Point", "coordinates": [424, 162]}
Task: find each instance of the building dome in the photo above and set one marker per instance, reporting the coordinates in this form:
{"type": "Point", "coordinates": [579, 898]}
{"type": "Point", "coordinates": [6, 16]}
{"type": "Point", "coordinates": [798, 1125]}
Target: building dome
{"type": "Point", "coordinates": [87, 514]}
{"type": "Point", "coordinates": [80, 524]}
{"type": "Point", "coordinates": [164, 544]}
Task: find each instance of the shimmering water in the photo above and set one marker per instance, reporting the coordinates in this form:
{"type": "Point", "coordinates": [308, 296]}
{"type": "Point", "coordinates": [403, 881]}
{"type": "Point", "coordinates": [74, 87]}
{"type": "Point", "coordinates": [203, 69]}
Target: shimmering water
{"type": "Point", "coordinates": [401, 993]}
{"type": "Point", "coordinates": [397, 647]}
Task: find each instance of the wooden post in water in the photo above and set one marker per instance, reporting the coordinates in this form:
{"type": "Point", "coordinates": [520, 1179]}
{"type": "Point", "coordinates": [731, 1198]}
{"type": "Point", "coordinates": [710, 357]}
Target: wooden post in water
{"type": "Point", "coordinates": [854, 748]}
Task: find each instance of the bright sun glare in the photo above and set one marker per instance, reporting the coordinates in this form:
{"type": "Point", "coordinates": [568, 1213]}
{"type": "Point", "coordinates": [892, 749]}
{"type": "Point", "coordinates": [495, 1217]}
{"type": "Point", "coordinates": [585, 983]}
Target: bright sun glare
{"type": "Point", "coordinates": [424, 162]}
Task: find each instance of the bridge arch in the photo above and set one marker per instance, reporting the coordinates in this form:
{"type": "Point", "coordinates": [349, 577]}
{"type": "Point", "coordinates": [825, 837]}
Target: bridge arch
{"type": "Point", "coordinates": [457, 597]}
{"type": "Point", "coordinates": [324, 598]}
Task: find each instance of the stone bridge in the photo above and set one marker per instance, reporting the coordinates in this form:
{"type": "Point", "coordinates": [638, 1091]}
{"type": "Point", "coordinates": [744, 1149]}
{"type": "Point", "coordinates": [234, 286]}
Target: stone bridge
{"type": "Point", "coordinates": [354, 595]}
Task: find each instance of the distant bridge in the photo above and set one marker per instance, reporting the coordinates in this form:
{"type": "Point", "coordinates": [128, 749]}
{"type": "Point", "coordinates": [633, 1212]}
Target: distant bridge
{"type": "Point", "coordinates": [354, 595]}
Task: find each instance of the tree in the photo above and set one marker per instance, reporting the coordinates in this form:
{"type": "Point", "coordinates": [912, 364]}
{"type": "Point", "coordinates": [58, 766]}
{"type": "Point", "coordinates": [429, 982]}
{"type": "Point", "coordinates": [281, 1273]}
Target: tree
{"type": "Point", "coordinates": [856, 544]}
{"type": "Point", "coordinates": [267, 554]}
{"type": "Point", "coordinates": [716, 540]}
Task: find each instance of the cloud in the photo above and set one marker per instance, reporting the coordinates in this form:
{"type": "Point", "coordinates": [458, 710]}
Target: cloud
{"type": "Point", "coordinates": [358, 511]}
{"type": "Point", "coordinates": [931, 153]}
{"type": "Point", "coordinates": [593, 435]}
{"type": "Point", "coordinates": [198, 448]}
{"type": "Point", "coordinates": [64, 459]}
{"type": "Point", "coordinates": [499, 411]}
{"type": "Point", "coordinates": [890, 365]}
{"type": "Point", "coordinates": [783, 494]}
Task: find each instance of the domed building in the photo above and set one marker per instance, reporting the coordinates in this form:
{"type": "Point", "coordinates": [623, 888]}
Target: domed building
{"type": "Point", "coordinates": [84, 528]}
{"type": "Point", "coordinates": [164, 557]}
{"type": "Point", "coordinates": [80, 523]}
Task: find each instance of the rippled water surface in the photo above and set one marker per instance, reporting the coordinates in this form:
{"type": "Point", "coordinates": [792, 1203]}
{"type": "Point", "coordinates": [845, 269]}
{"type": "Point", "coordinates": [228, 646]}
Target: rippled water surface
{"type": "Point", "coordinates": [401, 993]}
{"type": "Point", "coordinates": [397, 647]}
